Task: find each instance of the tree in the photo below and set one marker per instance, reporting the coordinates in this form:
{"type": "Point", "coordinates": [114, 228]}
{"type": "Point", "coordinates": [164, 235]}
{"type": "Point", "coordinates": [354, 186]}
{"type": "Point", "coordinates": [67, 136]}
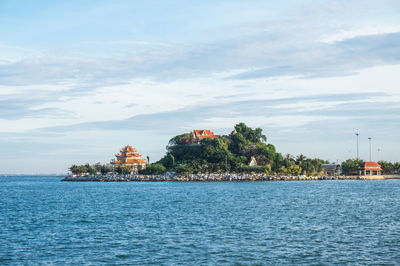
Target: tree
{"type": "Point", "coordinates": [288, 160]}
{"type": "Point", "coordinates": [351, 166]}
{"type": "Point", "coordinates": [233, 153]}
{"type": "Point", "coordinates": [97, 167]}
{"type": "Point", "coordinates": [396, 167]}
{"type": "Point", "coordinates": [186, 138]}
{"type": "Point", "coordinates": [387, 167]}
{"type": "Point", "coordinates": [248, 133]}
{"type": "Point", "coordinates": [123, 169]}
{"type": "Point", "coordinates": [283, 170]}
{"type": "Point", "coordinates": [106, 168]}
{"type": "Point", "coordinates": [82, 169]}
{"type": "Point", "coordinates": [294, 170]}
{"type": "Point", "coordinates": [300, 159]}
{"type": "Point", "coordinates": [183, 169]}
{"type": "Point", "coordinates": [74, 169]}
{"type": "Point", "coordinates": [154, 169]}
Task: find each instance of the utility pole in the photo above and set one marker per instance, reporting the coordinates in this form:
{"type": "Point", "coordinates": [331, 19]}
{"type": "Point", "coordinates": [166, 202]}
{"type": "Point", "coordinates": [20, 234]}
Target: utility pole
{"type": "Point", "coordinates": [369, 138]}
{"type": "Point", "coordinates": [357, 134]}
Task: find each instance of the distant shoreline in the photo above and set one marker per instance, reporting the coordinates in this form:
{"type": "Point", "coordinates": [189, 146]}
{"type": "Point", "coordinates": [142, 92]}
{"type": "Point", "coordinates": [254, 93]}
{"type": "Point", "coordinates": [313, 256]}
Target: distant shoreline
{"type": "Point", "coordinates": [224, 177]}
{"type": "Point", "coordinates": [35, 175]}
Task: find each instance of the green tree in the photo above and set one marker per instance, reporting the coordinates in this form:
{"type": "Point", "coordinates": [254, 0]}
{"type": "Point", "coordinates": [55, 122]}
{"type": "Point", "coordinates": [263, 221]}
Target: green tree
{"type": "Point", "coordinates": [387, 167]}
{"type": "Point", "coordinates": [74, 169]}
{"type": "Point", "coordinates": [396, 167]}
{"type": "Point", "coordinates": [232, 153]}
{"type": "Point", "coordinates": [105, 168]}
{"type": "Point", "coordinates": [97, 167]}
{"type": "Point", "coordinates": [154, 169]}
{"type": "Point", "coordinates": [294, 170]}
{"type": "Point", "coordinates": [90, 169]}
{"type": "Point", "coordinates": [248, 133]}
{"type": "Point", "coordinates": [351, 166]}
{"type": "Point", "coordinates": [300, 159]}
{"type": "Point", "coordinates": [123, 169]}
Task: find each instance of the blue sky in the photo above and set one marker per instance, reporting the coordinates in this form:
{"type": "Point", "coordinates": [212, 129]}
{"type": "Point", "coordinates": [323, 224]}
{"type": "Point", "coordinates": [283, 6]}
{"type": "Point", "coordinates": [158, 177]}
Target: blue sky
{"type": "Point", "coordinates": [81, 79]}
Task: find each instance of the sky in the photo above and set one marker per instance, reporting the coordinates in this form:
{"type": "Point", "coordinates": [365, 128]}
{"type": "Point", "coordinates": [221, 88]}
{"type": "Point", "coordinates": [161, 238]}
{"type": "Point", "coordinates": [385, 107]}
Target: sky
{"type": "Point", "coordinates": [81, 79]}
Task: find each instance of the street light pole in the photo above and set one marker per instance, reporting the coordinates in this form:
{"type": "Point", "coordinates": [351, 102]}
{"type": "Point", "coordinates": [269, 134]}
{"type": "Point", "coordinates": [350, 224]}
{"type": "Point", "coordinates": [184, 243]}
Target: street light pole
{"type": "Point", "coordinates": [370, 149]}
{"type": "Point", "coordinates": [357, 134]}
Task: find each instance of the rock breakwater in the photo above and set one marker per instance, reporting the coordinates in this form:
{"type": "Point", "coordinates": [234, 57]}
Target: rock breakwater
{"type": "Point", "coordinates": [217, 177]}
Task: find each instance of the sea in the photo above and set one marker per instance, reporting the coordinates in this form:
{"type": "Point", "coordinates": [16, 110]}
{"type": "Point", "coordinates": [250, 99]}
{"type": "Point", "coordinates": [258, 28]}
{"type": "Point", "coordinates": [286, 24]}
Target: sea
{"type": "Point", "coordinates": [46, 221]}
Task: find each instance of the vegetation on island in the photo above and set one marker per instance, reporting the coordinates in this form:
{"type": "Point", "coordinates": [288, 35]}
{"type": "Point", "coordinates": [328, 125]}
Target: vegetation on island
{"type": "Point", "coordinates": [389, 167]}
{"type": "Point", "coordinates": [351, 166]}
{"type": "Point", "coordinates": [230, 153]}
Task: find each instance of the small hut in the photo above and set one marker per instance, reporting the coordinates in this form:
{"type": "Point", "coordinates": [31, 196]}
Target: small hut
{"type": "Point", "coordinates": [332, 169]}
{"type": "Point", "coordinates": [253, 161]}
{"type": "Point", "coordinates": [370, 168]}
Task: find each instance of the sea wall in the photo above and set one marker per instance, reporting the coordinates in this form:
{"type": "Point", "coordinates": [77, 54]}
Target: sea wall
{"type": "Point", "coordinates": [202, 178]}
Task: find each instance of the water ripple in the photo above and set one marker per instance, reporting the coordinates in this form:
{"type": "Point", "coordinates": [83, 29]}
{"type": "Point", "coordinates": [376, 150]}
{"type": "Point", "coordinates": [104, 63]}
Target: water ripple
{"type": "Point", "coordinates": [44, 221]}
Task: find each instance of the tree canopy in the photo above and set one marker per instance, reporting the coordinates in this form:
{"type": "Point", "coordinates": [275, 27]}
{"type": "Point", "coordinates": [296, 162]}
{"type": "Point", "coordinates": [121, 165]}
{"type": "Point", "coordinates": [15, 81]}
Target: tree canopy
{"type": "Point", "coordinates": [233, 153]}
{"type": "Point", "coordinates": [226, 153]}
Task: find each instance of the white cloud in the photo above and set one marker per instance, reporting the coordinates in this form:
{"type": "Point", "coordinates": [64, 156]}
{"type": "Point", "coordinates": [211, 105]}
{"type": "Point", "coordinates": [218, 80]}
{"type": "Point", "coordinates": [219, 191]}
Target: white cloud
{"type": "Point", "coordinates": [279, 121]}
{"type": "Point", "coordinates": [145, 96]}
{"type": "Point", "coordinates": [355, 32]}
{"type": "Point", "coordinates": [213, 72]}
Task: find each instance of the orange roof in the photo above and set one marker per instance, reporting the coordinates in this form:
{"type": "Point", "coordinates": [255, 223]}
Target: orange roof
{"type": "Point", "coordinates": [202, 132]}
{"type": "Point", "coordinates": [374, 166]}
{"type": "Point", "coordinates": [128, 148]}
{"type": "Point", "coordinates": [135, 161]}
{"type": "Point", "coordinates": [128, 155]}
{"type": "Point", "coordinates": [371, 164]}
{"type": "Point", "coordinates": [129, 161]}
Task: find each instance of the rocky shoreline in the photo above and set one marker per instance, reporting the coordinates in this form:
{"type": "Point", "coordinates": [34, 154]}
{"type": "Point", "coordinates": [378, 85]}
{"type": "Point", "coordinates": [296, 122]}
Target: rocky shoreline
{"type": "Point", "coordinates": [223, 177]}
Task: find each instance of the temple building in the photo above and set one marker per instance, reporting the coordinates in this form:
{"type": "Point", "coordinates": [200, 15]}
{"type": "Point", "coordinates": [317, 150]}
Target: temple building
{"type": "Point", "coordinates": [370, 168]}
{"type": "Point", "coordinates": [129, 156]}
{"type": "Point", "coordinates": [200, 134]}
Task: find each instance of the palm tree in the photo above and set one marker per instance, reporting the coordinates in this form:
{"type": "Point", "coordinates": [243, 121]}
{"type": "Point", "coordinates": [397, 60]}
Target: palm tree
{"type": "Point", "coordinates": [300, 159]}
{"type": "Point", "coordinates": [74, 169]}
{"type": "Point", "coordinates": [289, 157]}
{"type": "Point", "coordinates": [288, 161]}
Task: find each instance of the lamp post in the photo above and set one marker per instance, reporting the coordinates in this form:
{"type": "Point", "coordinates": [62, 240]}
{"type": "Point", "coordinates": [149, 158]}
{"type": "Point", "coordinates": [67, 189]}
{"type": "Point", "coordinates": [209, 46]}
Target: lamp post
{"type": "Point", "coordinates": [357, 134]}
{"type": "Point", "coordinates": [369, 138]}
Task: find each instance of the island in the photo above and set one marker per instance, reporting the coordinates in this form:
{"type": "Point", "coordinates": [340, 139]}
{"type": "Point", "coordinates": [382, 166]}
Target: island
{"type": "Point", "coordinates": [243, 155]}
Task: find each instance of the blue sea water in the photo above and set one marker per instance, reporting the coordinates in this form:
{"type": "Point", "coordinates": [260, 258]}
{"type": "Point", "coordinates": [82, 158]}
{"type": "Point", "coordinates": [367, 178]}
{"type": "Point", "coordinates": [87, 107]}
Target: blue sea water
{"type": "Point", "coordinates": [46, 221]}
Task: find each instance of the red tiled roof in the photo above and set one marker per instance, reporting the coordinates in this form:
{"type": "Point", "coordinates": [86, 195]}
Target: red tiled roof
{"type": "Point", "coordinates": [371, 164]}
{"type": "Point", "coordinates": [202, 132]}
{"type": "Point", "coordinates": [374, 166]}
